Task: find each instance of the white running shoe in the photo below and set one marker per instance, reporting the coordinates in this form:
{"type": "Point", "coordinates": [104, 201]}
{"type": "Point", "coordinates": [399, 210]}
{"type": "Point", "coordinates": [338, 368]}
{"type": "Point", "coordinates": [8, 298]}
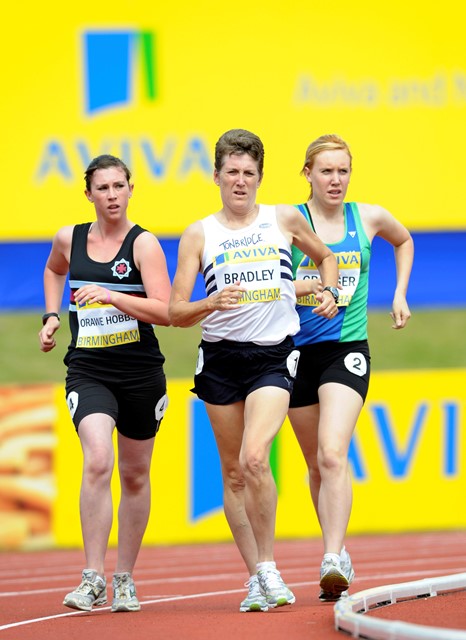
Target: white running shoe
{"type": "Point", "coordinates": [274, 589]}
{"type": "Point", "coordinates": [336, 577]}
{"type": "Point", "coordinates": [92, 592]}
{"type": "Point", "coordinates": [124, 593]}
{"type": "Point", "coordinates": [255, 600]}
{"type": "Point", "coordinates": [346, 565]}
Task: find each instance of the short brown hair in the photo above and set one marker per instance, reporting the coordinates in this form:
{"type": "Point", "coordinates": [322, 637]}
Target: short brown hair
{"type": "Point", "coordinates": [104, 161]}
{"type": "Point", "coordinates": [238, 142]}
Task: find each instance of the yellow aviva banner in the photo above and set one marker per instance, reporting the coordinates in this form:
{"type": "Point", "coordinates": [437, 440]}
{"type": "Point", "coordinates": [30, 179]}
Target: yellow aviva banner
{"type": "Point", "coordinates": [407, 458]}
{"type": "Point", "coordinates": [157, 84]}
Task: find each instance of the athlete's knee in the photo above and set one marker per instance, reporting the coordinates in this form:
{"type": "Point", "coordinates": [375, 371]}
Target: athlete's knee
{"type": "Point", "coordinates": [331, 459]}
{"type": "Point", "coordinates": [233, 478]}
{"type": "Point", "coordinates": [133, 477]}
{"type": "Point", "coordinates": [98, 467]}
{"type": "Point", "coordinates": [314, 471]}
{"type": "Point", "coordinates": [254, 464]}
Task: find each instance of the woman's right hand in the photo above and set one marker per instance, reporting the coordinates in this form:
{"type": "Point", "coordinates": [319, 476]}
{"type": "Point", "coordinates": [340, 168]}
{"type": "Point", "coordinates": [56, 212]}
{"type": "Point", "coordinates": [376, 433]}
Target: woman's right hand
{"type": "Point", "coordinates": [228, 298]}
{"type": "Point", "coordinates": [310, 286]}
{"type": "Point", "coordinates": [46, 334]}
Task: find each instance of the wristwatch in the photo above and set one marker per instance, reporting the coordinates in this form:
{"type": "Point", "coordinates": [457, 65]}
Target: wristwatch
{"type": "Point", "coordinates": [46, 316]}
{"type": "Point", "coordinates": [334, 291]}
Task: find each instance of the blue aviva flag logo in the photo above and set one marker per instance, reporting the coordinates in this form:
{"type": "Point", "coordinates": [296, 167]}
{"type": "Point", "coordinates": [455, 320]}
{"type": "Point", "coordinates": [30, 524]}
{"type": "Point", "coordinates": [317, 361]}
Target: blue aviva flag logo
{"type": "Point", "coordinates": [114, 63]}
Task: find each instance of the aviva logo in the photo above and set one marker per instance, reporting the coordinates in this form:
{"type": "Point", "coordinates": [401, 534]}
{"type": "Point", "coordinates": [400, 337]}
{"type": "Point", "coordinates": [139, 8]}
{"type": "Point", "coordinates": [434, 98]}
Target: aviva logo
{"type": "Point", "coordinates": [116, 63]}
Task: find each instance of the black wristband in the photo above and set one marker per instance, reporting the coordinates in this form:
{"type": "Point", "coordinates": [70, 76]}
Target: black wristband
{"type": "Point", "coordinates": [46, 316]}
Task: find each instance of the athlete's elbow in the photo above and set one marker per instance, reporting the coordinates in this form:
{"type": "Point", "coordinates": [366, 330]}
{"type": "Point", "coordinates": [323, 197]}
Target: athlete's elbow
{"type": "Point", "coordinates": [174, 318]}
{"type": "Point", "coordinates": [179, 320]}
{"type": "Point", "coordinates": [165, 321]}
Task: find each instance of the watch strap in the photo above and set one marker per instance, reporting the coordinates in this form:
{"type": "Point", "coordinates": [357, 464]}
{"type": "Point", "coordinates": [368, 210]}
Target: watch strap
{"type": "Point", "coordinates": [46, 316]}
{"type": "Point", "coordinates": [334, 291]}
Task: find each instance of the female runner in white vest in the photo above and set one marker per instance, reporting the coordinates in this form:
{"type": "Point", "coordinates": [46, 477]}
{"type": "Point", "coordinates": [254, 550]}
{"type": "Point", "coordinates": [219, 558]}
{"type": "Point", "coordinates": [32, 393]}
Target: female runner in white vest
{"type": "Point", "coordinates": [247, 360]}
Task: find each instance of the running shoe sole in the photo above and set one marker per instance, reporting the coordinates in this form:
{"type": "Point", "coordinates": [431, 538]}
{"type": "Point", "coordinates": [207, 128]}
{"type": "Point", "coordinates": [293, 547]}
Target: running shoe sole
{"type": "Point", "coordinates": [255, 606]}
{"type": "Point", "coordinates": [332, 597]}
{"type": "Point", "coordinates": [334, 582]}
{"type": "Point", "coordinates": [281, 602]}
{"type": "Point", "coordinates": [73, 603]}
{"type": "Point", "coordinates": [125, 606]}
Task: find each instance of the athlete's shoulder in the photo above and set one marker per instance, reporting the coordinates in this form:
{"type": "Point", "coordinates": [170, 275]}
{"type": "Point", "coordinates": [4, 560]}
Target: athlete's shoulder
{"type": "Point", "coordinates": [370, 210]}
{"type": "Point", "coordinates": [375, 213]}
{"type": "Point", "coordinates": [287, 212]}
{"type": "Point", "coordinates": [195, 228]}
{"type": "Point", "coordinates": [144, 238]}
{"type": "Point", "coordinates": [64, 235]}
{"type": "Point", "coordinates": [193, 238]}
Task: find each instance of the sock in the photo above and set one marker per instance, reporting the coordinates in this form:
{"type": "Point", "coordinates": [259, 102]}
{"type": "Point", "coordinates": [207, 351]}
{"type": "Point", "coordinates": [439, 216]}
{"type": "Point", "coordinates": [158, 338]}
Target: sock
{"type": "Point", "coordinates": [263, 566]}
{"type": "Point", "coordinates": [335, 557]}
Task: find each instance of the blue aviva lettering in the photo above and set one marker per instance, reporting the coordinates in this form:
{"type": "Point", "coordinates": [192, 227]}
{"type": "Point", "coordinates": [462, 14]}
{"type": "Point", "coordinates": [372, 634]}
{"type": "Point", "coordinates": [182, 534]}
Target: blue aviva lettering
{"type": "Point", "coordinates": [400, 459]}
{"type": "Point", "coordinates": [172, 156]}
{"type": "Point", "coordinates": [206, 488]}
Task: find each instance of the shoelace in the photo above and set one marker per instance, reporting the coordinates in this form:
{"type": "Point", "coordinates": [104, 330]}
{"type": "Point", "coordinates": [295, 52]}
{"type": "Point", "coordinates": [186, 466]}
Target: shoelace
{"type": "Point", "coordinates": [123, 589]}
{"type": "Point", "coordinates": [273, 579]}
{"type": "Point", "coordinates": [253, 585]}
{"type": "Point", "coordinates": [87, 587]}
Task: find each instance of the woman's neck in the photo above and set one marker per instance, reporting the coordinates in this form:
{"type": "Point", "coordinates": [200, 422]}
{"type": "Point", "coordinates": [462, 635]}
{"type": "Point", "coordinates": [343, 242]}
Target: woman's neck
{"type": "Point", "coordinates": [327, 212]}
{"type": "Point", "coordinates": [237, 219]}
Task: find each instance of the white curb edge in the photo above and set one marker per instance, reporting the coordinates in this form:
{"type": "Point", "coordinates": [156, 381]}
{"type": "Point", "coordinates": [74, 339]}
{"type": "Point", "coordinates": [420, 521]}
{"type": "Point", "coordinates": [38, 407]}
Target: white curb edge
{"type": "Point", "coordinates": [349, 612]}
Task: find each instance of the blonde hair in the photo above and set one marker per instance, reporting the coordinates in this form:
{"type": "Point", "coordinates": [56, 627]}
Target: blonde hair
{"type": "Point", "coordinates": [328, 142]}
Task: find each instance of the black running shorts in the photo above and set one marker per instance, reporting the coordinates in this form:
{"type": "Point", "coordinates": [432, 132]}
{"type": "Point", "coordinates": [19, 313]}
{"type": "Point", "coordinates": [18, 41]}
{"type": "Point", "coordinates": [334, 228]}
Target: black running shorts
{"type": "Point", "coordinates": [137, 403]}
{"type": "Point", "coordinates": [228, 371]}
{"type": "Point", "coordinates": [348, 363]}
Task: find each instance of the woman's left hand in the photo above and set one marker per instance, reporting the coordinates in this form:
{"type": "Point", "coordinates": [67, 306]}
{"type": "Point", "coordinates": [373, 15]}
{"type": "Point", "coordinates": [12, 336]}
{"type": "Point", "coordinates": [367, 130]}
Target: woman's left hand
{"type": "Point", "coordinates": [400, 313]}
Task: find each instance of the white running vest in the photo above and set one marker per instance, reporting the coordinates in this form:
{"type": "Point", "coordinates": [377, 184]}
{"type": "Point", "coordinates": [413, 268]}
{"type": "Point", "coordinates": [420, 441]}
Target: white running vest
{"type": "Point", "coordinates": [259, 258]}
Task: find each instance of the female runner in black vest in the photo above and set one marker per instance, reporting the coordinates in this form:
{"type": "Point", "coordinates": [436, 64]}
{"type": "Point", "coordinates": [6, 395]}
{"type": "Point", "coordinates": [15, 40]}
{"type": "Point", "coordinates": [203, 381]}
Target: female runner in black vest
{"type": "Point", "coordinates": [119, 288]}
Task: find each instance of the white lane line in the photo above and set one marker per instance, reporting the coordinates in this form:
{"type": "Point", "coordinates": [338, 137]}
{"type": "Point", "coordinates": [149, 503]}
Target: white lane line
{"type": "Point", "coordinates": [192, 596]}
{"type": "Point", "coordinates": [208, 578]}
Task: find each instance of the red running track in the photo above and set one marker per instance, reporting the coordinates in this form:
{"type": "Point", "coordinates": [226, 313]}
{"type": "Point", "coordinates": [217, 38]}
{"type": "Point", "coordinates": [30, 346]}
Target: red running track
{"type": "Point", "coordinates": [194, 592]}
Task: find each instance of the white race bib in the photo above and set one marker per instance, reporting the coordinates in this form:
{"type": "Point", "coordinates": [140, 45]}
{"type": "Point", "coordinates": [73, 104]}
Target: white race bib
{"type": "Point", "coordinates": [102, 325]}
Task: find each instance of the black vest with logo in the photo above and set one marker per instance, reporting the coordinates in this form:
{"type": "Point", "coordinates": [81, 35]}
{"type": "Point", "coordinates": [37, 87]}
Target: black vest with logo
{"type": "Point", "coordinates": [119, 274]}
